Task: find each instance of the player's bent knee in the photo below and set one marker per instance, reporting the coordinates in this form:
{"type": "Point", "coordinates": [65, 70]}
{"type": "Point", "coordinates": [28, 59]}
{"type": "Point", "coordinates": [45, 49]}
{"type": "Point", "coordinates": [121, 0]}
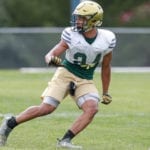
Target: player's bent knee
{"type": "Point", "coordinates": [51, 101]}
{"type": "Point", "coordinates": [91, 111]}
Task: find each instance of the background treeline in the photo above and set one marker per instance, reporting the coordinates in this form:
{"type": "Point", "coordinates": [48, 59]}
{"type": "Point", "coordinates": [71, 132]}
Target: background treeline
{"type": "Point", "coordinates": [25, 13]}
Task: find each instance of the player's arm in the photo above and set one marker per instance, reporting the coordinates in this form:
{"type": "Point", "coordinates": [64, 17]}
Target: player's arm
{"type": "Point", "coordinates": [106, 77]}
{"type": "Point", "coordinates": [53, 55]}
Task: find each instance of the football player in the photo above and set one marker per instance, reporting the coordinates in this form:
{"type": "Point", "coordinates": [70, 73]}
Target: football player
{"type": "Point", "coordinates": [85, 47]}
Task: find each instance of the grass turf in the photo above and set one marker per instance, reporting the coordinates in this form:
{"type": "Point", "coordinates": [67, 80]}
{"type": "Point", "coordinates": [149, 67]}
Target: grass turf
{"type": "Point", "coordinates": [124, 124]}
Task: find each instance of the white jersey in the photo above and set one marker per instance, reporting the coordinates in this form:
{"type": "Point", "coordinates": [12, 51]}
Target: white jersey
{"type": "Point", "coordinates": [86, 56]}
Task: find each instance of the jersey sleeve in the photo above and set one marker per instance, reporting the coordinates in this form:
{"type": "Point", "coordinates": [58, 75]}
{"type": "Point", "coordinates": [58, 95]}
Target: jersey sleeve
{"type": "Point", "coordinates": [66, 36]}
{"type": "Point", "coordinates": [111, 39]}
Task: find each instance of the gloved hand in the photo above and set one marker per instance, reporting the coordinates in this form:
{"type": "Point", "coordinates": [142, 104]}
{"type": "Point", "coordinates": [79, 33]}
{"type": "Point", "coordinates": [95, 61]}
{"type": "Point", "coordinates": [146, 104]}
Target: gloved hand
{"type": "Point", "coordinates": [106, 99]}
{"type": "Point", "coordinates": [55, 61]}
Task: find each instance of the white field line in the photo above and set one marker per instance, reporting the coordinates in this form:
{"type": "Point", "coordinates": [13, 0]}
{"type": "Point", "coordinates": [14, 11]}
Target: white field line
{"type": "Point", "coordinates": [76, 114]}
{"type": "Point", "coordinates": [114, 69]}
{"type": "Point", "coordinates": [131, 69]}
{"type": "Point", "coordinates": [99, 115]}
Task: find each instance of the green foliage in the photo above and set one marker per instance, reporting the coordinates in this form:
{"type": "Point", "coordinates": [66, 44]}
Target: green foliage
{"type": "Point", "coordinates": [124, 124]}
{"type": "Point", "coordinates": [27, 13]}
{"type": "Point", "coordinates": [35, 13]}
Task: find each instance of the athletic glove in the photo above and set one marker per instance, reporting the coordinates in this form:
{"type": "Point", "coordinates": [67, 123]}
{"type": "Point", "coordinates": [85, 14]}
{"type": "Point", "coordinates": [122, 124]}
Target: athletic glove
{"type": "Point", "coordinates": [55, 61]}
{"type": "Point", "coordinates": [106, 99]}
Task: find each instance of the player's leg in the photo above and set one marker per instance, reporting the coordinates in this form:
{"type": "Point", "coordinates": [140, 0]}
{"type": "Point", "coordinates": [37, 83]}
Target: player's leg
{"type": "Point", "coordinates": [89, 106]}
{"type": "Point", "coordinates": [48, 105]}
{"type": "Point", "coordinates": [37, 111]}
{"type": "Point", "coordinates": [52, 96]}
{"type": "Point", "coordinates": [87, 98]}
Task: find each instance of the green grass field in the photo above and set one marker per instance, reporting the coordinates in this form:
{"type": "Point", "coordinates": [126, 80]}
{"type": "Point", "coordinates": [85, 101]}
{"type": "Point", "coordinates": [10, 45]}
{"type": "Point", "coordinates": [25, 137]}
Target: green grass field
{"type": "Point", "coordinates": [122, 125]}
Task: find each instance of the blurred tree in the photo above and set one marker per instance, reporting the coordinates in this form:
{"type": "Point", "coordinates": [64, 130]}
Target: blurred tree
{"type": "Point", "coordinates": [5, 18]}
{"type": "Point", "coordinates": [35, 13]}
{"type": "Point", "coordinates": [137, 16]}
{"type": "Point", "coordinates": [114, 9]}
{"type": "Point", "coordinates": [57, 13]}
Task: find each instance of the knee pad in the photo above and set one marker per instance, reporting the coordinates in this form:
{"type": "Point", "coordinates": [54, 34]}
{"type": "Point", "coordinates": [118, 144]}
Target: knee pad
{"type": "Point", "coordinates": [86, 97]}
{"type": "Point", "coordinates": [51, 101]}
